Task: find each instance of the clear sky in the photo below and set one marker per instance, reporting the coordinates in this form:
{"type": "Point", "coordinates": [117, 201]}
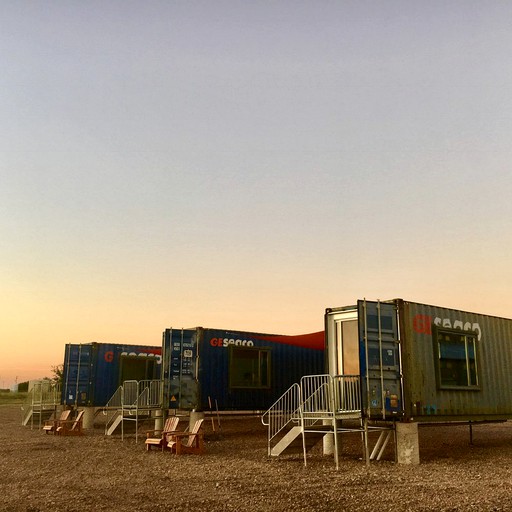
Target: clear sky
{"type": "Point", "coordinates": [244, 165]}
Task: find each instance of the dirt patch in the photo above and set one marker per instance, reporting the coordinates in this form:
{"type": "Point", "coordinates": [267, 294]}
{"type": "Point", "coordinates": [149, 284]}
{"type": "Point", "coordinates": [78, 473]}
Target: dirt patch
{"type": "Point", "coordinates": [40, 472]}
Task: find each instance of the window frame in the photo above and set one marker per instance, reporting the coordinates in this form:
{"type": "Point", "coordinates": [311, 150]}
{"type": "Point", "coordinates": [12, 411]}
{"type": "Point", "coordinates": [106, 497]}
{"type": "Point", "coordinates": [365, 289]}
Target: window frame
{"type": "Point", "coordinates": [259, 350]}
{"type": "Point", "coordinates": [436, 333]}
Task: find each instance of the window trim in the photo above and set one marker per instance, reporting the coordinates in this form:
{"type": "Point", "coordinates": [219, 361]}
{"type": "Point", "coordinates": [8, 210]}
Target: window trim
{"type": "Point", "coordinates": [436, 332]}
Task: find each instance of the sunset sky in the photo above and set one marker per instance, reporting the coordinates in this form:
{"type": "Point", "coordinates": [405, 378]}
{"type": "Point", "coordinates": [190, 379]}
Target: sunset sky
{"type": "Point", "coordinates": [245, 165]}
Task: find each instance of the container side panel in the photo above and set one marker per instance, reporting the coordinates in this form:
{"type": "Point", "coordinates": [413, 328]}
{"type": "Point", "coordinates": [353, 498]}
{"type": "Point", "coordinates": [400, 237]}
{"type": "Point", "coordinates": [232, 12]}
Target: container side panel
{"type": "Point", "coordinates": [426, 398]}
{"type": "Point", "coordinates": [108, 374]}
{"type": "Point", "coordinates": [92, 371]}
{"type": "Point", "coordinates": [229, 357]}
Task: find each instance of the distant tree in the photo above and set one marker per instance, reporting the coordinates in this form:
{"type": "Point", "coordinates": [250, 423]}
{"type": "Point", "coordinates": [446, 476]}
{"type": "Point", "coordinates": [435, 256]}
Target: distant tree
{"type": "Point", "coordinates": [23, 387]}
{"type": "Point", "coordinates": [58, 373]}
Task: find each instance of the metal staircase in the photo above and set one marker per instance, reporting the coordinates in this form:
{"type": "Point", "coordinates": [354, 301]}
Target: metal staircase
{"type": "Point", "coordinates": [41, 403]}
{"type": "Point", "coordinates": [315, 408]}
{"type": "Point", "coordinates": [134, 401]}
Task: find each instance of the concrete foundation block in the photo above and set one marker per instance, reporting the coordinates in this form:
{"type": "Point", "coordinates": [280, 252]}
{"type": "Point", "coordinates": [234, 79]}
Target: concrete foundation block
{"type": "Point", "coordinates": [159, 420]}
{"type": "Point", "coordinates": [194, 416]}
{"type": "Point", "coordinates": [328, 440]}
{"type": "Point", "coordinates": [88, 417]}
{"type": "Point", "coordinates": [407, 443]}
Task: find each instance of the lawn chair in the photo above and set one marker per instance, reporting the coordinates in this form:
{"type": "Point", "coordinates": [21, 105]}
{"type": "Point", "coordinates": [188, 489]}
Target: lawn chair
{"type": "Point", "coordinates": [187, 442]}
{"type": "Point", "coordinates": [158, 437]}
{"type": "Point", "coordinates": [71, 427]}
{"type": "Point", "coordinates": [51, 425]}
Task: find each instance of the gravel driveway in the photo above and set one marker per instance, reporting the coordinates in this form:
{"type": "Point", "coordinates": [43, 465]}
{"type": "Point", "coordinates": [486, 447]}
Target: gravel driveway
{"type": "Point", "coordinates": [40, 472]}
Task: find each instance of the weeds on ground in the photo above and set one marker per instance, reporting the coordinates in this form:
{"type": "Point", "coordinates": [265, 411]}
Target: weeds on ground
{"type": "Point", "coordinates": [10, 397]}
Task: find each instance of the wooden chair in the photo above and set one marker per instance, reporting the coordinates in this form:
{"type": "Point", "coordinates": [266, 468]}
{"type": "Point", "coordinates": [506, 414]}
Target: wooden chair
{"type": "Point", "coordinates": [187, 442]}
{"type": "Point", "coordinates": [71, 427]}
{"type": "Point", "coordinates": [52, 425]}
{"type": "Point", "coordinates": [158, 437]}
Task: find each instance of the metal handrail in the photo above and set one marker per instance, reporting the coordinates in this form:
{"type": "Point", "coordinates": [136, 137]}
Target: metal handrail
{"type": "Point", "coordinates": [282, 412]}
{"type": "Point", "coordinates": [130, 393]}
{"type": "Point", "coordinates": [43, 396]}
{"type": "Point", "coordinates": [347, 393]}
{"type": "Point", "coordinates": [316, 393]}
{"type": "Point", "coordinates": [115, 401]}
{"type": "Point", "coordinates": [316, 398]}
{"type": "Point", "coordinates": [132, 398]}
{"type": "Point", "coordinates": [149, 393]}
{"type": "Point", "coordinates": [112, 407]}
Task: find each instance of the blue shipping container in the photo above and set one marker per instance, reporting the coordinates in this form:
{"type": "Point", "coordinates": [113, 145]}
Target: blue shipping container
{"type": "Point", "coordinates": [235, 370]}
{"type": "Point", "coordinates": [92, 372]}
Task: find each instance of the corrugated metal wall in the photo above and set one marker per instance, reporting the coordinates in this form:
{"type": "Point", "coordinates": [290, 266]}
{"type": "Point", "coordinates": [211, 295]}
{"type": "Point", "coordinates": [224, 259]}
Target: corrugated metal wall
{"type": "Point", "coordinates": [290, 358]}
{"type": "Point", "coordinates": [288, 363]}
{"type": "Point", "coordinates": [92, 370]}
{"type": "Point", "coordinates": [423, 396]}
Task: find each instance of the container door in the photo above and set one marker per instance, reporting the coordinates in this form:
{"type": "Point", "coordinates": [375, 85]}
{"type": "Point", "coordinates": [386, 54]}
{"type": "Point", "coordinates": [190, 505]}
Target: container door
{"type": "Point", "coordinates": [77, 389]}
{"type": "Point", "coordinates": [180, 369]}
{"type": "Point", "coordinates": [379, 355]}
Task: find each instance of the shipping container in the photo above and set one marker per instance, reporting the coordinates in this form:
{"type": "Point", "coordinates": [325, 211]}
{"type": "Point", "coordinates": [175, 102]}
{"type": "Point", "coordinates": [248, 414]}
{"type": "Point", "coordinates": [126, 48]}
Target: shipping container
{"type": "Point", "coordinates": [92, 372]}
{"type": "Point", "coordinates": [423, 363]}
{"type": "Point", "coordinates": [233, 370]}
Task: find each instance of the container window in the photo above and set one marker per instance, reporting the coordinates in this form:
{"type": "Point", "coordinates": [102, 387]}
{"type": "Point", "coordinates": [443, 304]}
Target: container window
{"type": "Point", "coordinates": [249, 368]}
{"type": "Point", "coordinates": [457, 359]}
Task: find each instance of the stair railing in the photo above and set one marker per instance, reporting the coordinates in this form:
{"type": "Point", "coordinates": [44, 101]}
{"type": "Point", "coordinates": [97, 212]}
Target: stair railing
{"type": "Point", "coordinates": [43, 397]}
{"type": "Point", "coordinates": [132, 397]}
{"type": "Point", "coordinates": [130, 393]}
{"type": "Point", "coordinates": [282, 412]}
{"type": "Point", "coordinates": [155, 393]}
{"type": "Point", "coordinates": [347, 393]}
{"type": "Point", "coordinates": [112, 407]}
{"type": "Point", "coordinates": [316, 396]}
{"type": "Point", "coordinates": [50, 394]}
{"type": "Point", "coordinates": [149, 393]}
{"type": "Point", "coordinates": [27, 408]}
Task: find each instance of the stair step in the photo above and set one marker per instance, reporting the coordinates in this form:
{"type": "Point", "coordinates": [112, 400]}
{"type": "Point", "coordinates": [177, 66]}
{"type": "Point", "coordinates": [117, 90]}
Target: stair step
{"type": "Point", "coordinates": [323, 429]}
{"type": "Point", "coordinates": [129, 424]}
{"type": "Point", "coordinates": [291, 442]}
{"type": "Point", "coordinates": [38, 415]}
{"type": "Point", "coordinates": [26, 418]}
{"type": "Point", "coordinates": [114, 425]}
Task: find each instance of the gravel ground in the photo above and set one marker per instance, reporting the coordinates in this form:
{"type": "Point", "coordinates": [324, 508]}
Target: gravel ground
{"type": "Point", "coordinates": [40, 472]}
